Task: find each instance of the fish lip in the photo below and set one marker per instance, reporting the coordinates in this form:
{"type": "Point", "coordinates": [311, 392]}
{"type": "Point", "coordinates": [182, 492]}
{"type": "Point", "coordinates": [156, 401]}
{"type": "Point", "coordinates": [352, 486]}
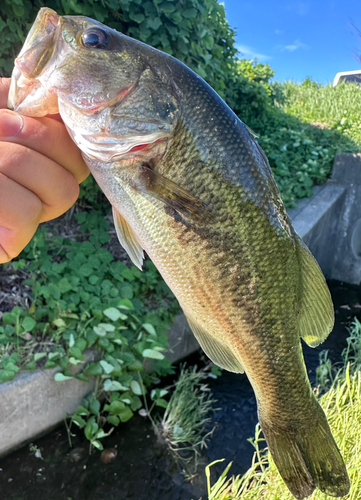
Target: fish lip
{"type": "Point", "coordinates": [44, 28]}
{"type": "Point", "coordinates": [17, 94]}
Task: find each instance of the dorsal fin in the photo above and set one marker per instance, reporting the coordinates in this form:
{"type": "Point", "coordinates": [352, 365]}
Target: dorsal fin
{"type": "Point", "coordinates": [316, 317]}
{"type": "Point", "coordinates": [128, 239]}
{"type": "Point", "coordinates": [217, 352]}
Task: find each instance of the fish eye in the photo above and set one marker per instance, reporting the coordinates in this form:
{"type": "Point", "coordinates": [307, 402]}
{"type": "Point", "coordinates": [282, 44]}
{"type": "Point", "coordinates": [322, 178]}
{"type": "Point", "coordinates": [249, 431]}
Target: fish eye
{"type": "Point", "coordinates": [95, 38]}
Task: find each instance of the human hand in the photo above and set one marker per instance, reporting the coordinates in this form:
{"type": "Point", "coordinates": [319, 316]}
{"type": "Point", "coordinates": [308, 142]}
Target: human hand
{"type": "Point", "coordinates": [40, 172]}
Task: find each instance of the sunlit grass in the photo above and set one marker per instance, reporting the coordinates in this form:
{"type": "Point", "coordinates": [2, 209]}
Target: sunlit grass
{"type": "Point", "coordinates": [335, 107]}
{"type": "Point", "coordinates": [342, 405]}
{"type": "Point", "coordinates": [185, 425]}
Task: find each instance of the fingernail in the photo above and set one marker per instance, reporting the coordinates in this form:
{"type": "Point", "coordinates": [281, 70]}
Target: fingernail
{"type": "Point", "coordinates": [10, 124]}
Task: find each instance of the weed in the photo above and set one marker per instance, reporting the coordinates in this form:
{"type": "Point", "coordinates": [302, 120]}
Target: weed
{"type": "Point", "coordinates": [184, 427]}
{"type": "Point", "coordinates": [333, 107]}
{"type": "Point", "coordinates": [324, 372]}
{"type": "Point", "coordinates": [234, 488]}
{"type": "Point", "coordinates": [352, 353]}
{"type": "Point", "coordinates": [35, 451]}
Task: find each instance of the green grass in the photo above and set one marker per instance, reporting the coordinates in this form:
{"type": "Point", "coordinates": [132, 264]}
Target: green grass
{"type": "Point", "coordinates": [301, 127]}
{"type": "Point", "coordinates": [185, 425]}
{"type": "Point", "coordinates": [342, 405]}
{"type": "Point", "coordinates": [334, 107]}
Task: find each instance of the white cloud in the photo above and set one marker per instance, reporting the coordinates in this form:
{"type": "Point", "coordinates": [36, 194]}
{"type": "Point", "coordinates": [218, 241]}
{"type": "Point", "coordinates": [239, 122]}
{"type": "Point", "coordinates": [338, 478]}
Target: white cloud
{"type": "Point", "coordinates": [279, 32]}
{"type": "Point", "coordinates": [297, 44]}
{"type": "Point", "coordinates": [248, 52]}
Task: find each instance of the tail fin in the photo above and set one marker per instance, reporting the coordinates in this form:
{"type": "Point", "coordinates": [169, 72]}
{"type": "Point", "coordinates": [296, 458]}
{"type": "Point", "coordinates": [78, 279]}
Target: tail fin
{"type": "Point", "coordinates": [308, 458]}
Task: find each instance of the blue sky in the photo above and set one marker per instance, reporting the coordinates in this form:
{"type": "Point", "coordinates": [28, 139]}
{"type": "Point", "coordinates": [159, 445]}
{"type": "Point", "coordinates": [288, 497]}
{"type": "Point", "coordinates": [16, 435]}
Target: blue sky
{"type": "Point", "coordinates": [298, 38]}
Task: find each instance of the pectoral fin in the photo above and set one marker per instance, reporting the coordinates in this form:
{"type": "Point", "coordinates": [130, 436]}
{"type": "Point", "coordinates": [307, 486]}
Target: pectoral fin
{"type": "Point", "coordinates": [217, 352]}
{"type": "Point", "coordinates": [316, 316]}
{"type": "Point", "coordinates": [155, 184]}
{"type": "Point", "coordinates": [128, 239]}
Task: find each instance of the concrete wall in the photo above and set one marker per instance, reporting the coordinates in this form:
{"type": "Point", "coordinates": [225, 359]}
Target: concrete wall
{"type": "Point", "coordinates": [33, 403]}
{"type": "Point", "coordinates": [347, 244]}
{"type": "Point", "coordinates": [330, 221]}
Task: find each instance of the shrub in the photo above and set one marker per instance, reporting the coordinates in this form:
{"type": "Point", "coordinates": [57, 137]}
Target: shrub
{"type": "Point", "coordinates": [194, 31]}
{"type": "Point", "coordinates": [331, 107]}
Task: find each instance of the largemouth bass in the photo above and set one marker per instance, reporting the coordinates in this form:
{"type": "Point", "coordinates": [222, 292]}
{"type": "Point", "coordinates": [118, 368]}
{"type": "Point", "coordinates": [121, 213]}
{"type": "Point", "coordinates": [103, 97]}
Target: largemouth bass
{"type": "Point", "coordinates": [190, 186]}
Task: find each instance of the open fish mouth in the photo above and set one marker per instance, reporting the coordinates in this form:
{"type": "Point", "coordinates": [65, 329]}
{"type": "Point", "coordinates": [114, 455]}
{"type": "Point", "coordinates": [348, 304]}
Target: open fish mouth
{"type": "Point", "coordinates": [26, 85]}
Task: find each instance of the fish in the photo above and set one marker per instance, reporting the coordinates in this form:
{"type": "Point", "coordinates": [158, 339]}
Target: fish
{"type": "Point", "coordinates": [191, 187]}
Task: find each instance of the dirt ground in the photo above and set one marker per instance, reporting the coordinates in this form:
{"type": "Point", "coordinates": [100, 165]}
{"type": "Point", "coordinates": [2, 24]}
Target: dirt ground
{"type": "Point", "coordinates": [142, 469]}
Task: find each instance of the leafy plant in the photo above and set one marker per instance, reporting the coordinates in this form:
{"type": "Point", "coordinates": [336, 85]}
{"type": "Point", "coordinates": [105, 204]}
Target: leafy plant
{"type": "Point", "coordinates": [195, 31]}
{"type": "Point", "coordinates": [327, 106]}
{"type": "Point", "coordinates": [82, 299]}
{"type": "Point", "coordinates": [256, 72]}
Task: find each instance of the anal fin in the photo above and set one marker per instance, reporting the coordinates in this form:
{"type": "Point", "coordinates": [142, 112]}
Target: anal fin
{"type": "Point", "coordinates": [128, 240]}
{"type": "Point", "coordinates": [217, 352]}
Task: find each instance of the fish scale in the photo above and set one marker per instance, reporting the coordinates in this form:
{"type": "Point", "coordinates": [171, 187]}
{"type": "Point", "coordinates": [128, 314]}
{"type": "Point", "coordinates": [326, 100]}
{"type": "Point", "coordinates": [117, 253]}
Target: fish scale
{"type": "Point", "coordinates": [194, 190]}
{"type": "Point", "coordinates": [171, 249]}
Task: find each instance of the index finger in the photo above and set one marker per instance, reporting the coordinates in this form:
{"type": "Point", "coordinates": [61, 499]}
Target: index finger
{"type": "Point", "coordinates": [4, 91]}
{"type": "Point", "coordinates": [47, 136]}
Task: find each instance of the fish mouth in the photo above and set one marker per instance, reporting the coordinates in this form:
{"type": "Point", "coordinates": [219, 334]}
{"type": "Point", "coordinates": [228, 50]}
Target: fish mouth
{"type": "Point", "coordinates": [26, 86]}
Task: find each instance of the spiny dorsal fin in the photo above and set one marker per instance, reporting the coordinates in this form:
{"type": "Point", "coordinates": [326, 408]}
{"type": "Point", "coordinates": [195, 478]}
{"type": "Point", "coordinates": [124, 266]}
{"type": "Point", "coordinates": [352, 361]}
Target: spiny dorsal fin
{"type": "Point", "coordinates": [251, 132]}
{"type": "Point", "coordinates": [316, 316]}
{"type": "Point", "coordinates": [217, 352]}
{"type": "Point", "coordinates": [128, 240]}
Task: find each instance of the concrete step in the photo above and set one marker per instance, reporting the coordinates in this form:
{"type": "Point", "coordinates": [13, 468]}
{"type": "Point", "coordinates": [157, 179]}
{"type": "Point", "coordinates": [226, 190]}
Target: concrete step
{"type": "Point", "coordinates": [34, 403]}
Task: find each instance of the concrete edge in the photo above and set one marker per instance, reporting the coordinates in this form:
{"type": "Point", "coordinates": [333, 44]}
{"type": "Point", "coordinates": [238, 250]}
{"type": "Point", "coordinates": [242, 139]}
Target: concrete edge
{"type": "Point", "coordinates": [43, 401]}
{"type": "Point", "coordinates": [311, 214]}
